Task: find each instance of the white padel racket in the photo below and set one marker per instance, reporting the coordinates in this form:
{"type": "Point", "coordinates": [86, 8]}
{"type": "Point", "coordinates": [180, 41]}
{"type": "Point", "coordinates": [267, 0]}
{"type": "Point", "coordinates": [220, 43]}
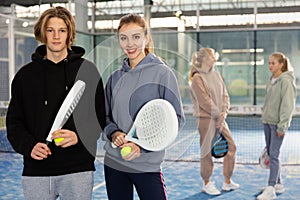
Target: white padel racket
{"type": "Point", "coordinates": [67, 107]}
{"type": "Point", "coordinates": [264, 159]}
{"type": "Point", "coordinates": [155, 126]}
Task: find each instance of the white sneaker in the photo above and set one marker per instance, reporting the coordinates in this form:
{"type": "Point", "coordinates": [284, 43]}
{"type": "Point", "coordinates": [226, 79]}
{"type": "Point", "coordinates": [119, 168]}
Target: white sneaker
{"type": "Point", "coordinates": [268, 194]}
{"type": "Point", "coordinates": [279, 189]}
{"type": "Point", "coordinates": [210, 189]}
{"type": "Point", "coordinates": [231, 186]}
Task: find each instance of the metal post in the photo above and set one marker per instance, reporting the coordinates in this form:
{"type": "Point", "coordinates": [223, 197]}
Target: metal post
{"type": "Point", "coordinates": [255, 53]}
{"type": "Point", "coordinates": [198, 26]}
{"type": "Point", "coordinates": [81, 15]}
{"type": "Point", "coordinates": [147, 10]}
{"type": "Point", "coordinates": [93, 17]}
{"type": "Point", "coordinates": [198, 15]}
{"type": "Point", "coordinates": [11, 48]}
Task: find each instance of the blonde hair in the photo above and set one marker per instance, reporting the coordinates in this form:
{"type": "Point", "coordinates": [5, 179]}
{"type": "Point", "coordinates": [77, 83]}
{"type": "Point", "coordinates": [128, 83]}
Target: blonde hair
{"type": "Point", "coordinates": [137, 19]}
{"type": "Point", "coordinates": [59, 12]}
{"type": "Point", "coordinates": [281, 58]}
{"type": "Point", "coordinates": [197, 59]}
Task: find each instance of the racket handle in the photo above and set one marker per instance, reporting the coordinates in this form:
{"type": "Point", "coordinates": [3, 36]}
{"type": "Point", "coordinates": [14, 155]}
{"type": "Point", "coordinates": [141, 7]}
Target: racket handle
{"type": "Point", "coordinates": [113, 145]}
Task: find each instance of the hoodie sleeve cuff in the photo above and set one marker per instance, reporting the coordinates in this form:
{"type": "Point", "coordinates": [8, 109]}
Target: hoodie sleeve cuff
{"type": "Point", "coordinates": [281, 130]}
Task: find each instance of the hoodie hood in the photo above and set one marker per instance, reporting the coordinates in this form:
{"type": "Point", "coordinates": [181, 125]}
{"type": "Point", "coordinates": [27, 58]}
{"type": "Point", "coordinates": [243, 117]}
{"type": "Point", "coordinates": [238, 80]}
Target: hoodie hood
{"type": "Point", "coordinates": [40, 53]}
{"type": "Point", "coordinates": [150, 60]}
{"type": "Point", "coordinates": [194, 71]}
{"type": "Point", "coordinates": [199, 70]}
{"type": "Point", "coordinates": [286, 75]}
{"type": "Point", "coordinates": [39, 56]}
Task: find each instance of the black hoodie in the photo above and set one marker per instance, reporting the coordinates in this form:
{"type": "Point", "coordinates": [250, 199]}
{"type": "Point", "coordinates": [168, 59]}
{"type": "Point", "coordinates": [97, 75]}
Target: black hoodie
{"type": "Point", "coordinates": [38, 90]}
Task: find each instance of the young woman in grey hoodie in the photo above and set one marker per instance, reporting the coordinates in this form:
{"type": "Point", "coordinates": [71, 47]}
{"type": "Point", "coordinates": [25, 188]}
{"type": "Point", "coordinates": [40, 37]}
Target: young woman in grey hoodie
{"type": "Point", "coordinates": [143, 77]}
{"type": "Point", "coordinates": [276, 116]}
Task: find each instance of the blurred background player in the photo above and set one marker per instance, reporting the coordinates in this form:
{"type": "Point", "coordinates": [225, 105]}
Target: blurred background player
{"type": "Point", "coordinates": [276, 117]}
{"type": "Point", "coordinates": [211, 104]}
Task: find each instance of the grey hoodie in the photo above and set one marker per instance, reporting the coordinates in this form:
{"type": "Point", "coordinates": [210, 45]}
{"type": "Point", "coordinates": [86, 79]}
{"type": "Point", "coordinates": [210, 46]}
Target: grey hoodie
{"type": "Point", "coordinates": [280, 101]}
{"type": "Point", "coordinates": [127, 90]}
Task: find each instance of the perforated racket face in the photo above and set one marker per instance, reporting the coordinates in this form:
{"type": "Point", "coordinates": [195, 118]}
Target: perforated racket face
{"type": "Point", "coordinates": [156, 125]}
{"type": "Point", "coordinates": [75, 102]}
{"type": "Point", "coordinates": [151, 125]}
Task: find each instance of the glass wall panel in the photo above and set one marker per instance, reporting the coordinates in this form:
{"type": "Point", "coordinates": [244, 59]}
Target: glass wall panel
{"type": "Point", "coordinates": [244, 78]}
{"type": "Point", "coordinates": [108, 55]}
{"type": "Point", "coordinates": [235, 62]}
{"type": "Point", "coordinates": [176, 50]}
{"type": "Point", "coordinates": [87, 42]}
{"type": "Point", "coordinates": [4, 79]}
{"type": "Point", "coordinates": [13, 34]}
{"type": "Point", "coordinates": [285, 41]}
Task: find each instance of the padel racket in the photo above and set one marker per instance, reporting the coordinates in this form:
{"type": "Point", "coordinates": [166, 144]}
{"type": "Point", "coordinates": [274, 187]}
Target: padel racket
{"type": "Point", "coordinates": [67, 107]}
{"type": "Point", "coordinates": [264, 159]}
{"type": "Point", "coordinates": [219, 145]}
{"type": "Point", "coordinates": [155, 126]}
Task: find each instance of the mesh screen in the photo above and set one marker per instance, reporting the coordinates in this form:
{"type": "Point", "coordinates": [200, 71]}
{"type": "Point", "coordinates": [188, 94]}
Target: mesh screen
{"type": "Point", "coordinates": [246, 129]}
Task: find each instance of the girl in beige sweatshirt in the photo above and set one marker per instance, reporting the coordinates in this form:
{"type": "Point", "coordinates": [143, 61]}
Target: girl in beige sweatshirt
{"type": "Point", "coordinates": [211, 104]}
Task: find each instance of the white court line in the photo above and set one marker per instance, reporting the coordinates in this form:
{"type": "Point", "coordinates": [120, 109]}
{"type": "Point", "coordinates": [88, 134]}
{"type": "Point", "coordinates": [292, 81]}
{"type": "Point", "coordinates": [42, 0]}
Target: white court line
{"type": "Point", "coordinates": [99, 185]}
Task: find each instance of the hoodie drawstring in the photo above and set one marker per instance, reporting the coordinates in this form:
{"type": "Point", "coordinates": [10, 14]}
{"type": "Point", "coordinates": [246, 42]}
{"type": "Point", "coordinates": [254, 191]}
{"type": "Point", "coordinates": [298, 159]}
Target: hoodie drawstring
{"type": "Point", "coordinates": [65, 75]}
{"type": "Point", "coordinates": [45, 83]}
{"type": "Point", "coordinates": [50, 188]}
{"type": "Point", "coordinates": [45, 80]}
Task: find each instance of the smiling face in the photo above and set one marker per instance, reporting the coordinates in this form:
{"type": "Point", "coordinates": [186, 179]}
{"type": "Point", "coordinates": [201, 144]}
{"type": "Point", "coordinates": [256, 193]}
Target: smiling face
{"type": "Point", "coordinates": [132, 41]}
{"type": "Point", "coordinates": [275, 66]}
{"type": "Point", "coordinates": [56, 37]}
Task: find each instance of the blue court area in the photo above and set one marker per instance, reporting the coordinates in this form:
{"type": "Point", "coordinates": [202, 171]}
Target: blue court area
{"type": "Point", "coordinates": [182, 180]}
{"type": "Point", "coordinates": [181, 168]}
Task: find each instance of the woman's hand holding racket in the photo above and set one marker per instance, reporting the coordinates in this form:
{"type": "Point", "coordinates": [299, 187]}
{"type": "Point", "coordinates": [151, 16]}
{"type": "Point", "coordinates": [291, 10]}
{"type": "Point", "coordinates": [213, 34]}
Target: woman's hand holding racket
{"type": "Point", "coordinates": [220, 121]}
{"type": "Point", "coordinates": [118, 138]}
{"type": "Point", "coordinates": [154, 129]}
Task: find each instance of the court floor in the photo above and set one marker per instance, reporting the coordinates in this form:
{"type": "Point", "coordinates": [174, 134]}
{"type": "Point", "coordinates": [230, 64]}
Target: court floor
{"type": "Point", "coordinates": [182, 180]}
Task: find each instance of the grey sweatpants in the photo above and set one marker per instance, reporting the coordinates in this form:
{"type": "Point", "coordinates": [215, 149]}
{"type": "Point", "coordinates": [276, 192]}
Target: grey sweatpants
{"type": "Point", "coordinates": [273, 144]}
{"type": "Point", "coordinates": [77, 186]}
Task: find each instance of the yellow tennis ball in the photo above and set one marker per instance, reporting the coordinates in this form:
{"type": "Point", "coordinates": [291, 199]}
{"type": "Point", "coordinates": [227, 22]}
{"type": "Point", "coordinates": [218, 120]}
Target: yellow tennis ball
{"type": "Point", "coordinates": [125, 151]}
{"type": "Point", "coordinates": [56, 140]}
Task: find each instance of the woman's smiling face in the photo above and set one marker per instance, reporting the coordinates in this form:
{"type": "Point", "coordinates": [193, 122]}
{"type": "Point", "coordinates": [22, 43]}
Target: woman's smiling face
{"type": "Point", "coordinates": [132, 41]}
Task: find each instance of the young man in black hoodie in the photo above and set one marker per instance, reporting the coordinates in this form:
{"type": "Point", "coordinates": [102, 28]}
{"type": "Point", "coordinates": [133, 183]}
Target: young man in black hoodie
{"type": "Point", "coordinates": [64, 169]}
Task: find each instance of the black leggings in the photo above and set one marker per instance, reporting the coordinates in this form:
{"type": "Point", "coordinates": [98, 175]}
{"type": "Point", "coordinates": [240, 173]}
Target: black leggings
{"type": "Point", "coordinates": [119, 185]}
